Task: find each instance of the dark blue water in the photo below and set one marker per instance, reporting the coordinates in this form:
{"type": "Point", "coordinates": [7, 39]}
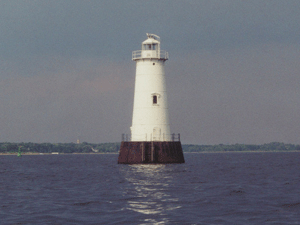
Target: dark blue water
{"type": "Point", "coordinates": [221, 188]}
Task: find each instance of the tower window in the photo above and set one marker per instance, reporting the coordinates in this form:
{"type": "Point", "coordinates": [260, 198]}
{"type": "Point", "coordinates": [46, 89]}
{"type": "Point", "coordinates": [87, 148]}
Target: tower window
{"type": "Point", "coordinates": [154, 99]}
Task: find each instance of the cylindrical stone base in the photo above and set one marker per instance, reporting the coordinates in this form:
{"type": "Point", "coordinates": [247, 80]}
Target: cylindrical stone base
{"type": "Point", "coordinates": [145, 152]}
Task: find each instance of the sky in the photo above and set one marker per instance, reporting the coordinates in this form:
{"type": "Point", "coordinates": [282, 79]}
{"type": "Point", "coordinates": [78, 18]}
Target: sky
{"type": "Point", "coordinates": [233, 72]}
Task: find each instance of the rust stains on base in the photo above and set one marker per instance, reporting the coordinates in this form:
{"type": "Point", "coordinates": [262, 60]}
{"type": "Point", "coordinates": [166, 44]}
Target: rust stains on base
{"type": "Point", "coordinates": [134, 152]}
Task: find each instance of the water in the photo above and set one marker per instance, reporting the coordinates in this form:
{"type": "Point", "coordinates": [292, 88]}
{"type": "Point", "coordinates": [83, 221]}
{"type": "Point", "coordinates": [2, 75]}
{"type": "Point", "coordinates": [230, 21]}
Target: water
{"type": "Point", "coordinates": [210, 188]}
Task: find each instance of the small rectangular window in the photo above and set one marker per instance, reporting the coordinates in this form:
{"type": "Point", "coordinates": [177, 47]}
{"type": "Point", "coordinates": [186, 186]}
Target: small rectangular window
{"type": "Point", "coordinates": [154, 99]}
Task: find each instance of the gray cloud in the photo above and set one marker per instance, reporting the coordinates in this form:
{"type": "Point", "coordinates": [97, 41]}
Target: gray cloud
{"type": "Point", "coordinates": [239, 96]}
{"type": "Point", "coordinates": [66, 69]}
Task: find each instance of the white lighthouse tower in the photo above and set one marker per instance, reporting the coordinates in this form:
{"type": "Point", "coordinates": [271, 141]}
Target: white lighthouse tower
{"type": "Point", "coordinates": [151, 140]}
{"type": "Point", "coordinates": [150, 120]}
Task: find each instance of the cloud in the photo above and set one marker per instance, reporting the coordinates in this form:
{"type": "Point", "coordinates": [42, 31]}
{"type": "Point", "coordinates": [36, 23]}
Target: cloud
{"type": "Point", "coordinates": [232, 76]}
{"type": "Point", "coordinates": [61, 104]}
{"type": "Point", "coordinates": [111, 29]}
{"type": "Point", "coordinates": [247, 95]}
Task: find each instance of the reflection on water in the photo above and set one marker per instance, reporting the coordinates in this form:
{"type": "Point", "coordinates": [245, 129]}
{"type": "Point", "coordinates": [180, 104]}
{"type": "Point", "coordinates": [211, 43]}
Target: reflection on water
{"type": "Point", "coordinates": [151, 192]}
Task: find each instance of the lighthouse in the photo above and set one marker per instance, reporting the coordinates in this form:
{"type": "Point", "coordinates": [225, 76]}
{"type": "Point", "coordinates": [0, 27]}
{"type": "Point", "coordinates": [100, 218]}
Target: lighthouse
{"type": "Point", "coordinates": [150, 120]}
{"type": "Point", "coordinates": [151, 140]}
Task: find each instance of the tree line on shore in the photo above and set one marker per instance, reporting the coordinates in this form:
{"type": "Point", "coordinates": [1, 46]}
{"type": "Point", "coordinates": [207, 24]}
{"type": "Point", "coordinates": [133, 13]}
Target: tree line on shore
{"type": "Point", "coordinates": [273, 146]}
{"type": "Point", "coordinates": [7, 147]}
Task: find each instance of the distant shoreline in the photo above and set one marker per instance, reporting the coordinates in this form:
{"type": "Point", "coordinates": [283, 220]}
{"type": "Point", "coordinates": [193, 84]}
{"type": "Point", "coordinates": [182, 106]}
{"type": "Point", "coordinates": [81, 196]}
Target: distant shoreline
{"type": "Point", "coordinates": [7, 148]}
{"type": "Point", "coordinates": [115, 153]}
{"type": "Point", "coordinates": [245, 151]}
{"type": "Point", "coordinates": [75, 153]}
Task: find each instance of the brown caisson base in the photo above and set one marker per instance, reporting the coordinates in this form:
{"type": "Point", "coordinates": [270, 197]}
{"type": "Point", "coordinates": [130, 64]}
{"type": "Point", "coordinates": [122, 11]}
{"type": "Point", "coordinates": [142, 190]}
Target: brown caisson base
{"type": "Point", "coordinates": [145, 152]}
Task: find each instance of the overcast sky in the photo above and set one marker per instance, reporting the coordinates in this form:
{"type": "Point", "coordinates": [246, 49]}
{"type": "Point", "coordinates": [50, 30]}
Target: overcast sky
{"type": "Point", "coordinates": [233, 72]}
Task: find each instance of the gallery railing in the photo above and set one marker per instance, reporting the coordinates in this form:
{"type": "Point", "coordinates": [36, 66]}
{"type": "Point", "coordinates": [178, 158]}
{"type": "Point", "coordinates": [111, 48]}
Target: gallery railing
{"type": "Point", "coordinates": [143, 54]}
{"type": "Point", "coordinates": [163, 137]}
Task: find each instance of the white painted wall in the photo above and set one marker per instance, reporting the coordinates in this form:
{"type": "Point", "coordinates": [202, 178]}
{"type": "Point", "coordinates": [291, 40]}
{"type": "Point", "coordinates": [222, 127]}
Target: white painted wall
{"type": "Point", "coordinates": [150, 121]}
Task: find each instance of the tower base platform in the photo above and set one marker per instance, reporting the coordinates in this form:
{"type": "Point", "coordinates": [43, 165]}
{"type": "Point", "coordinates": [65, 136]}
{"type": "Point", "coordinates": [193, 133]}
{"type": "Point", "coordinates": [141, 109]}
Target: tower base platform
{"type": "Point", "coordinates": [147, 152]}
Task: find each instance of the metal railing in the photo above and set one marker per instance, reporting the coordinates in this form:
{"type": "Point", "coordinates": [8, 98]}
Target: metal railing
{"type": "Point", "coordinates": [163, 137]}
{"type": "Point", "coordinates": [143, 54]}
{"type": "Point", "coordinates": [126, 137]}
{"type": "Point", "coordinates": [174, 138]}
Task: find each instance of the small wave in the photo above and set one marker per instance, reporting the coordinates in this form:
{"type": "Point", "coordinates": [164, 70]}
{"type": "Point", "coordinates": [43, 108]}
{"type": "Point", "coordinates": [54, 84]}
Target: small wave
{"type": "Point", "coordinates": [85, 203]}
{"type": "Point", "coordinates": [291, 205]}
{"type": "Point", "coordinates": [236, 192]}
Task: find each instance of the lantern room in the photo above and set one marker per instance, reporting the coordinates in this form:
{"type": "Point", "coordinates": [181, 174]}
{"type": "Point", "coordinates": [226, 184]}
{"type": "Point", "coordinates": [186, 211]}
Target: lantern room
{"type": "Point", "coordinates": [152, 43]}
{"type": "Point", "coordinates": [151, 46]}
{"type": "Point", "coordinates": [150, 49]}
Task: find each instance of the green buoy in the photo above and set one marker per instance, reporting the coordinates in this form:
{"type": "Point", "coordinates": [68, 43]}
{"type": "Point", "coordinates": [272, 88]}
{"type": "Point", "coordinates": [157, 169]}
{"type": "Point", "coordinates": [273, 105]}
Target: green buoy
{"type": "Point", "coordinates": [19, 151]}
